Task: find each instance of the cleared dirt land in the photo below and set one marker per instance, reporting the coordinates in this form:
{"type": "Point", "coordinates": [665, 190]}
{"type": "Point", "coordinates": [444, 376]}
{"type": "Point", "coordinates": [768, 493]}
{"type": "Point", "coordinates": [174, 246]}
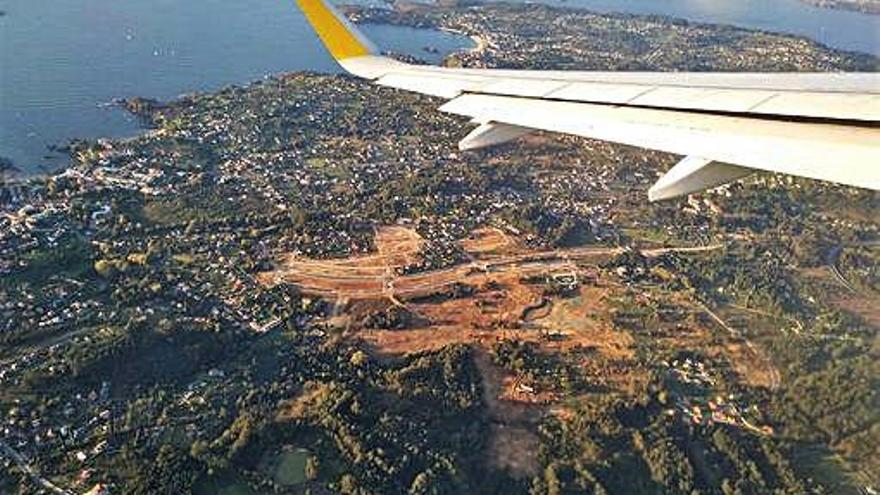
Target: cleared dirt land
{"type": "Point", "coordinates": [374, 276]}
{"type": "Point", "coordinates": [504, 291]}
{"type": "Point", "coordinates": [506, 299]}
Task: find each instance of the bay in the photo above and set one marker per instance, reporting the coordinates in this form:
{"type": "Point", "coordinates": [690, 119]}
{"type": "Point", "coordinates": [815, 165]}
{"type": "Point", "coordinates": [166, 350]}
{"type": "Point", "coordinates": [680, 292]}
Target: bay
{"type": "Point", "coordinates": [64, 61]}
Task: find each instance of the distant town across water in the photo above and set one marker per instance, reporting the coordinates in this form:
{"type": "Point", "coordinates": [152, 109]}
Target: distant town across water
{"type": "Point", "coordinates": [63, 62]}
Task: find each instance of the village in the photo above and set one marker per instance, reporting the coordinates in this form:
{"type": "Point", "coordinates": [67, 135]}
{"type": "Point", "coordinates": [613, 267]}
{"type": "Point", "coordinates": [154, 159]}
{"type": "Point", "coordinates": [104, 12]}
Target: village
{"type": "Point", "coordinates": [555, 38]}
{"type": "Point", "coordinates": [165, 297]}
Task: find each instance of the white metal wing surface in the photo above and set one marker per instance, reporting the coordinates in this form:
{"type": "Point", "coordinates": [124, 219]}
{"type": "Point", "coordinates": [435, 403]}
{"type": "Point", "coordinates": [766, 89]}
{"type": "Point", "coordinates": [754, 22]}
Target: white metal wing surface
{"type": "Point", "coordinates": [823, 126]}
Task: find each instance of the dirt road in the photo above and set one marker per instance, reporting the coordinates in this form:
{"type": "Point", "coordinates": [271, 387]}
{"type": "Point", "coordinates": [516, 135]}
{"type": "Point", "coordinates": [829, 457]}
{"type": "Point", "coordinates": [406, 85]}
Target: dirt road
{"type": "Point", "coordinates": [374, 276]}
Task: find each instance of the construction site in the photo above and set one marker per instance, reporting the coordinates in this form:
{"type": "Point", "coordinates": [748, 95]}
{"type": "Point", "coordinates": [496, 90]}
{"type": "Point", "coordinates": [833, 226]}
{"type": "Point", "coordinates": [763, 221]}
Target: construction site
{"type": "Point", "coordinates": [561, 301]}
{"type": "Point", "coordinates": [503, 291]}
{"type": "Point", "coordinates": [493, 255]}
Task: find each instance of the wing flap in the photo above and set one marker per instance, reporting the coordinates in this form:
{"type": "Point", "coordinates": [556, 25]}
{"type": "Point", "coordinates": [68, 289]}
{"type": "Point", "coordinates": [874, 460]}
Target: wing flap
{"type": "Point", "coordinates": [603, 92]}
{"type": "Point", "coordinates": [863, 107]}
{"type": "Point", "coordinates": [718, 100]}
{"type": "Point", "coordinates": [528, 88]}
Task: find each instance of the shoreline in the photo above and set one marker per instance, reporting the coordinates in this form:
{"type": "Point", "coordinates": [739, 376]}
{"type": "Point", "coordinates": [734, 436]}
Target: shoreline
{"type": "Point", "coordinates": [695, 19]}
{"type": "Point", "coordinates": [482, 46]}
{"type": "Point", "coordinates": [871, 8]}
{"type": "Point", "coordinates": [480, 40]}
{"type": "Point", "coordinates": [401, 17]}
{"type": "Point", "coordinates": [34, 165]}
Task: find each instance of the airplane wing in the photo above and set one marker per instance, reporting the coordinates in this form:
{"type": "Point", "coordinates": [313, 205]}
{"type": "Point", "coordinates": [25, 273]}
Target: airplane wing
{"type": "Point", "coordinates": [823, 126]}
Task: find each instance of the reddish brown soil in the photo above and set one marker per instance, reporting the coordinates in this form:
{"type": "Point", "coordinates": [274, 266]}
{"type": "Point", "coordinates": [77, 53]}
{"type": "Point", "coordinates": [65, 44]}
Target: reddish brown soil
{"type": "Point", "coordinates": [488, 240]}
{"type": "Point", "coordinates": [579, 328]}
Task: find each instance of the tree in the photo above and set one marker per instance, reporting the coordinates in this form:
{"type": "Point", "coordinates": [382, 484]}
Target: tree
{"type": "Point", "coordinates": [348, 485]}
{"type": "Point", "coordinates": [312, 468]}
{"type": "Point", "coordinates": [359, 358]}
{"type": "Point", "coordinates": [104, 268]}
{"type": "Point", "coordinates": [554, 487]}
{"type": "Point", "coordinates": [420, 485]}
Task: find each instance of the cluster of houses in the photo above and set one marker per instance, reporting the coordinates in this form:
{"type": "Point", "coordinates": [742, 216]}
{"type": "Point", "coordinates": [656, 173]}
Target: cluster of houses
{"type": "Point", "coordinates": [535, 36]}
{"type": "Point", "coordinates": [698, 405]}
{"type": "Point", "coordinates": [233, 191]}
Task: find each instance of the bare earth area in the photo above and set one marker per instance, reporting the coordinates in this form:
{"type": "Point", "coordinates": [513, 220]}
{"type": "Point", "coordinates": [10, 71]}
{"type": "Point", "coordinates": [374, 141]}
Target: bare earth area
{"type": "Point", "coordinates": [506, 299]}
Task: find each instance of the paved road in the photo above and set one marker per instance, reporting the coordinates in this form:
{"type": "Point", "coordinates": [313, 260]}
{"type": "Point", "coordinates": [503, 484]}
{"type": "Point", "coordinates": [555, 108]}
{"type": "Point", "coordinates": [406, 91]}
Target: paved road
{"type": "Point", "coordinates": [34, 475]}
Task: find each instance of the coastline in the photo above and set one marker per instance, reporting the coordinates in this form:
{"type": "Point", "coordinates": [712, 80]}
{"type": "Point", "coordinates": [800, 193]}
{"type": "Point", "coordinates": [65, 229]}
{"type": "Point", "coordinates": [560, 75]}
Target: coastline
{"type": "Point", "coordinates": [485, 42]}
{"type": "Point", "coordinates": [104, 115]}
{"type": "Point", "coordinates": [870, 8]}
{"type": "Point", "coordinates": [489, 39]}
{"type": "Point", "coordinates": [481, 41]}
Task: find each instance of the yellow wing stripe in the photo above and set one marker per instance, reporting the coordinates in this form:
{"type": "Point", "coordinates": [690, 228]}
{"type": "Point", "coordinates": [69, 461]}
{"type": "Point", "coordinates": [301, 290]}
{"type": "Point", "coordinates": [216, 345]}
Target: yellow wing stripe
{"type": "Point", "coordinates": [341, 42]}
